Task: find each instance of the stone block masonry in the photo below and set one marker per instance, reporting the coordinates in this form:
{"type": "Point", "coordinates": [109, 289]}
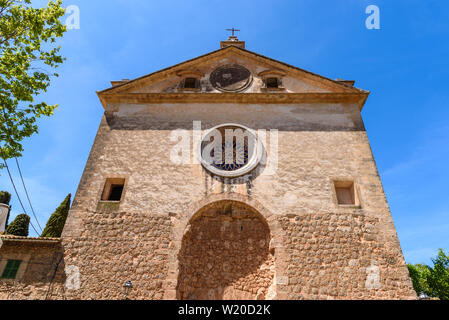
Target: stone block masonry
{"type": "Point", "coordinates": [182, 232]}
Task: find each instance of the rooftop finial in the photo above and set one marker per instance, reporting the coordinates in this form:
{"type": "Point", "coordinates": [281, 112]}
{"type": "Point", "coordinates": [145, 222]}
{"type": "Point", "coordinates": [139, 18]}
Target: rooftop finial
{"type": "Point", "coordinates": [232, 40]}
{"type": "Point", "coordinates": [233, 37]}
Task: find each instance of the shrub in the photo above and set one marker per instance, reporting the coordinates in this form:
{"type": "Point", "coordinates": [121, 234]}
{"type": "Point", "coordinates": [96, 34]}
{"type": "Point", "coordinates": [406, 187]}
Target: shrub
{"type": "Point", "coordinates": [56, 222]}
{"type": "Point", "coordinates": [433, 281]}
{"type": "Point", "coordinates": [5, 197]}
{"type": "Point", "coordinates": [20, 225]}
{"type": "Point", "coordinates": [438, 278]}
{"type": "Point", "coordinates": [419, 274]}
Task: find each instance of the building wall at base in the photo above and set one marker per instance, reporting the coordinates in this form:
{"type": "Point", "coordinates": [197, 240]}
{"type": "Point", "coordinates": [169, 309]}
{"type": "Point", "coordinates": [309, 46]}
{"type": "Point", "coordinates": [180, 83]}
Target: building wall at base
{"type": "Point", "coordinates": [342, 256]}
{"type": "Point", "coordinates": [116, 247]}
{"type": "Point", "coordinates": [36, 272]}
{"type": "Point", "coordinates": [321, 250]}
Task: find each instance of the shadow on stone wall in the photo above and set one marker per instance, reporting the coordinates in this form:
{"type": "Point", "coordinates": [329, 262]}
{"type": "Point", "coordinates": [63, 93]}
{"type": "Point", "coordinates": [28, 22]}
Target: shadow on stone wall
{"type": "Point", "coordinates": [43, 274]}
{"type": "Point", "coordinates": [57, 277]}
{"type": "Point", "coordinates": [144, 122]}
{"type": "Point", "coordinates": [225, 255]}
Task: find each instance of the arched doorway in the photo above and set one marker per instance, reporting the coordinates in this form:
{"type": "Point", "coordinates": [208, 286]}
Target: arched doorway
{"type": "Point", "coordinates": [225, 254]}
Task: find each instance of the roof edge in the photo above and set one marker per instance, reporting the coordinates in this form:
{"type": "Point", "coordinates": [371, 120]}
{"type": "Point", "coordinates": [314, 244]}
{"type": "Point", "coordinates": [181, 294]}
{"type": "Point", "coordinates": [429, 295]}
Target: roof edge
{"type": "Point", "coordinates": [334, 82]}
{"type": "Point", "coordinates": [263, 98]}
{"type": "Point", "coordinates": [12, 238]}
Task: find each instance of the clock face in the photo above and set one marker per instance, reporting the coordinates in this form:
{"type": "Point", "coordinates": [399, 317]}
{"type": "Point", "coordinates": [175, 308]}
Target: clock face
{"type": "Point", "coordinates": [231, 78]}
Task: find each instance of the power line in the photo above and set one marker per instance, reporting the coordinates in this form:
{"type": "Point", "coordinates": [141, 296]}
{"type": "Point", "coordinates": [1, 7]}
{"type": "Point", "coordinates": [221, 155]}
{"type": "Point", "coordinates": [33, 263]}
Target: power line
{"type": "Point", "coordinates": [17, 194]}
{"type": "Point", "coordinates": [26, 192]}
{"type": "Point", "coordinates": [12, 181]}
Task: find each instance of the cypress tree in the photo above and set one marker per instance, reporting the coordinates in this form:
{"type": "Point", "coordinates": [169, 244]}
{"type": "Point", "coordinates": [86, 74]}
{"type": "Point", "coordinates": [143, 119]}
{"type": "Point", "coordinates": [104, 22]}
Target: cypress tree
{"type": "Point", "coordinates": [5, 197]}
{"type": "Point", "coordinates": [56, 222]}
{"type": "Point", "coordinates": [19, 227]}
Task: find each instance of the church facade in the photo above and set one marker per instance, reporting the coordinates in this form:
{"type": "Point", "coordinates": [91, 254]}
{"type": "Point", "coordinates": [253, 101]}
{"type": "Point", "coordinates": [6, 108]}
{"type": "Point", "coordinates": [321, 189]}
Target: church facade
{"type": "Point", "coordinates": [228, 176]}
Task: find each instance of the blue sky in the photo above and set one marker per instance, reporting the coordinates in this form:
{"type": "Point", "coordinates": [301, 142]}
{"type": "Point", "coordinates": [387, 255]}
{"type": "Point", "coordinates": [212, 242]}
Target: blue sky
{"type": "Point", "coordinates": [404, 64]}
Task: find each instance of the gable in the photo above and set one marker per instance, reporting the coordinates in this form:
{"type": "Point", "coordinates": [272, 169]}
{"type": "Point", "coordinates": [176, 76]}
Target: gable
{"type": "Point", "coordinates": [204, 69]}
{"type": "Point", "coordinates": [293, 80]}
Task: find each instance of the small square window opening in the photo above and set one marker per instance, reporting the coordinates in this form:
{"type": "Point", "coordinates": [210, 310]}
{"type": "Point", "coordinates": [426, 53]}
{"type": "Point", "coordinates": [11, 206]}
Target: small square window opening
{"type": "Point", "coordinates": [272, 82]}
{"type": "Point", "coordinates": [345, 192]}
{"type": "Point", "coordinates": [113, 189]}
{"type": "Point", "coordinates": [190, 83]}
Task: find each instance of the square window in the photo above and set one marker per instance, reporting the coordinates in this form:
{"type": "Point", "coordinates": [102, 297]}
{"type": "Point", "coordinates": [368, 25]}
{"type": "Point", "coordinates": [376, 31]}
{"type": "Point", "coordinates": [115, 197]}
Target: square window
{"type": "Point", "coordinates": [113, 189]}
{"type": "Point", "coordinates": [190, 83]}
{"type": "Point", "coordinates": [272, 82]}
{"type": "Point", "coordinates": [10, 271]}
{"type": "Point", "coordinates": [345, 192]}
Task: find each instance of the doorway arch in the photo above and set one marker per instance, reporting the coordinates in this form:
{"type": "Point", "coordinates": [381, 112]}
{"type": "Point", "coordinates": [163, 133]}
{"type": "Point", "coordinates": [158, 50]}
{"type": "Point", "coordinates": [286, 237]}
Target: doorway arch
{"type": "Point", "coordinates": [225, 253]}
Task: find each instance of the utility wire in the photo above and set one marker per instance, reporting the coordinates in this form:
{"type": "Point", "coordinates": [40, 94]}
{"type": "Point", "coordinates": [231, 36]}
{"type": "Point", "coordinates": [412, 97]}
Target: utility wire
{"type": "Point", "coordinates": [12, 181]}
{"type": "Point", "coordinates": [26, 192]}
{"type": "Point", "coordinates": [17, 194]}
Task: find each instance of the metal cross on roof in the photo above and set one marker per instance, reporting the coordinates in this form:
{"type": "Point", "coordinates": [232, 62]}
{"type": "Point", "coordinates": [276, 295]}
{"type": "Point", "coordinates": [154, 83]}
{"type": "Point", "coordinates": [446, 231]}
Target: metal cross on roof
{"type": "Point", "coordinates": [233, 30]}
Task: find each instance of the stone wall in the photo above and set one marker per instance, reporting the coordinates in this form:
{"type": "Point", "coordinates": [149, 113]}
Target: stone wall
{"type": "Point", "coordinates": [317, 144]}
{"type": "Point", "coordinates": [40, 259]}
{"type": "Point", "coordinates": [225, 255]}
{"type": "Point", "coordinates": [321, 250]}
{"type": "Point", "coordinates": [115, 247]}
{"type": "Point", "coordinates": [335, 256]}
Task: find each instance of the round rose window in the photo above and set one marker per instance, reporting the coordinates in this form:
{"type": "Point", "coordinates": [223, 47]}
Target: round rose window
{"type": "Point", "coordinates": [230, 150]}
{"type": "Point", "coordinates": [231, 78]}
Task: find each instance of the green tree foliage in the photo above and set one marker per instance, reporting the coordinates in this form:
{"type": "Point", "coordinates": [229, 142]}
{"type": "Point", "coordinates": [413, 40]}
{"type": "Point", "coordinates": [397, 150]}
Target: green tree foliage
{"type": "Point", "coordinates": [438, 279]}
{"type": "Point", "coordinates": [419, 274]}
{"type": "Point", "coordinates": [5, 197]}
{"type": "Point", "coordinates": [56, 222]}
{"type": "Point", "coordinates": [28, 56]}
{"type": "Point", "coordinates": [19, 226]}
{"type": "Point", "coordinates": [433, 281]}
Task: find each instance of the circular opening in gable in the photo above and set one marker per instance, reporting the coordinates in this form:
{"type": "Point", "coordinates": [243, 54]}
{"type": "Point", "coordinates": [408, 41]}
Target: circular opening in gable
{"type": "Point", "coordinates": [231, 78]}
